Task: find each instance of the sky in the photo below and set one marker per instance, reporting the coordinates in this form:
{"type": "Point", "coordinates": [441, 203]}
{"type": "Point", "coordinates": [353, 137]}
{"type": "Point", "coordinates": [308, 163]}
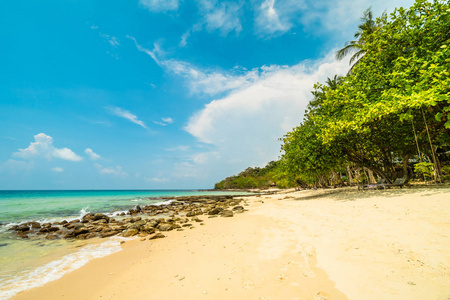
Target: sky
{"type": "Point", "coordinates": [159, 94]}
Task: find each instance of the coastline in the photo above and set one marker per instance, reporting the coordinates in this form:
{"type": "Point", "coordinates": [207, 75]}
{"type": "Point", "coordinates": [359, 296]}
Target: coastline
{"type": "Point", "coordinates": [309, 244]}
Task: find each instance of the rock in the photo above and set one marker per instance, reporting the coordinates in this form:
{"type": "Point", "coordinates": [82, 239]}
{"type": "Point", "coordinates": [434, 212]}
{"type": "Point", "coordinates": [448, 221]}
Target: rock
{"type": "Point", "coordinates": [226, 213]}
{"type": "Point", "coordinates": [22, 234]}
{"type": "Point", "coordinates": [165, 227]}
{"type": "Point", "coordinates": [101, 221]}
{"type": "Point", "coordinates": [88, 217]}
{"type": "Point", "coordinates": [82, 236]}
{"type": "Point", "coordinates": [130, 232]}
{"type": "Point", "coordinates": [157, 236]}
{"type": "Point", "coordinates": [69, 235]}
{"type": "Point", "coordinates": [34, 225]}
{"type": "Point", "coordinates": [196, 219]}
{"type": "Point", "coordinates": [107, 234]}
{"type": "Point", "coordinates": [91, 235]}
{"type": "Point", "coordinates": [135, 219]}
{"type": "Point", "coordinates": [52, 229]}
{"type": "Point", "coordinates": [80, 230]}
{"type": "Point", "coordinates": [3, 244]}
{"type": "Point", "coordinates": [215, 211]}
{"type": "Point", "coordinates": [51, 236]}
{"type": "Point", "coordinates": [238, 208]}
{"type": "Point", "coordinates": [148, 229]}
{"type": "Point", "coordinates": [23, 227]}
{"type": "Point", "coordinates": [99, 216]}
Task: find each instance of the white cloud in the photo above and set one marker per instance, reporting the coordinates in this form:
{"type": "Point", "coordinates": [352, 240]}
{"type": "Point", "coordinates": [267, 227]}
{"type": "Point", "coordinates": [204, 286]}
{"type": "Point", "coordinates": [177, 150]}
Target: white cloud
{"type": "Point", "coordinates": [117, 171]}
{"type": "Point", "coordinates": [244, 126]}
{"type": "Point", "coordinates": [155, 179]}
{"type": "Point", "coordinates": [159, 5]}
{"type": "Point", "coordinates": [112, 40]}
{"type": "Point", "coordinates": [57, 169]}
{"type": "Point", "coordinates": [164, 121]}
{"type": "Point", "coordinates": [222, 16]}
{"type": "Point", "coordinates": [179, 148]}
{"type": "Point", "coordinates": [275, 17]}
{"type": "Point", "coordinates": [202, 81]}
{"type": "Point", "coordinates": [92, 155]}
{"type": "Point", "coordinates": [43, 147]}
{"type": "Point", "coordinates": [117, 111]}
{"type": "Point", "coordinates": [13, 166]}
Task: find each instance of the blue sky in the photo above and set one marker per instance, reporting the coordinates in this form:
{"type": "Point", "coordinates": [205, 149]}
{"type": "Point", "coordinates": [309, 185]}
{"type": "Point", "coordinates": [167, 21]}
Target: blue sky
{"type": "Point", "coordinates": [158, 94]}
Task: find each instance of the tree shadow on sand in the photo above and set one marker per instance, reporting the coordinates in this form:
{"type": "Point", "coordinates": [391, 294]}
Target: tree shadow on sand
{"type": "Point", "coordinates": [352, 194]}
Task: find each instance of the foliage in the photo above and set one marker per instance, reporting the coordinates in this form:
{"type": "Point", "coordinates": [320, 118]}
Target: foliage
{"type": "Point", "coordinates": [366, 119]}
{"type": "Point", "coordinates": [272, 174]}
{"type": "Point", "coordinates": [392, 107]}
{"type": "Point", "coordinates": [424, 168]}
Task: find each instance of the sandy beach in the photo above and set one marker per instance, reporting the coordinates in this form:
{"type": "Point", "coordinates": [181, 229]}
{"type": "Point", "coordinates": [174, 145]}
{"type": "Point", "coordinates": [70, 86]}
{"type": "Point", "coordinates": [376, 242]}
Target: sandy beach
{"type": "Point", "coordinates": [314, 244]}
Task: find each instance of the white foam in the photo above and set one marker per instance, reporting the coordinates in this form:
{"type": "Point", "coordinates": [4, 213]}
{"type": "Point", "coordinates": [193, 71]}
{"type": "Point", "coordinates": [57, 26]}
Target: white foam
{"type": "Point", "coordinates": [167, 202]}
{"type": "Point", "coordinates": [56, 269]}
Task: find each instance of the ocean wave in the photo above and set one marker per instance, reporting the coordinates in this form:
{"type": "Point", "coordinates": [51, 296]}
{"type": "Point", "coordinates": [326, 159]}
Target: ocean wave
{"type": "Point", "coordinates": [56, 269]}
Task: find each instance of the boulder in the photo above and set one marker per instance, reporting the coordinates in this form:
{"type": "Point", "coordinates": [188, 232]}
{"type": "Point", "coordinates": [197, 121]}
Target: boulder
{"type": "Point", "coordinates": [215, 211]}
{"type": "Point", "coordinates": [51, 236]}
{"type": "Point", "coordinates": [69, 234]}
{"type": "Point", "coordinates": [99, 216]}
{"type": "Point", "coordinates": [91, 235]}
{"type": "Point", "coordinates": [107, 234]}
{"type": "Point", "coordinates": [88, 217]}
{"type": "Point", "coordinates": [34, 225]}
{"type": "Point", "coordinates": [165, 227]}
{"type": "Point", "coordinates": [158, 235]}
{"type": "Point", "coordinates": [238, 208]}
{"type": "Point", "coordinates": [80, 230]}
{"type": "Point", "coordinates": [130, 232]}
{"type": "Point", "coordinates": [148, 229]}
{"type": "Point", "coordinates": [226, 213]}
{"type": "Point", "coordinates": [135, 219]}
{"type": "Point", "coordinates": [22, 234]}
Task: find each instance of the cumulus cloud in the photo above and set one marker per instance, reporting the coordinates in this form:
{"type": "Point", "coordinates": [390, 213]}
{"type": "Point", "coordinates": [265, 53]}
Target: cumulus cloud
{"type": "Point", "coordinates": [159, 5]}
{"type": "Point", "coordinates": [119, 112]}
{"type": "Point", "coordinates": [91, 154]}
{"type": "Point", "coordinates": [244, 126]}
{"type": "Point", "coordinates": [43, 147]}
{"type": "Point", "coordinates": [57, 169]}
{"type": "Point", "coordinates": [117, 171]}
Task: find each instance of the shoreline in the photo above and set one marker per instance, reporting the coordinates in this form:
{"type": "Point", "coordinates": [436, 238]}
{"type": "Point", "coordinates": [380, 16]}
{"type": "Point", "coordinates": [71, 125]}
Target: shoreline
{"type": "Point", "coordinates": [282, 242]}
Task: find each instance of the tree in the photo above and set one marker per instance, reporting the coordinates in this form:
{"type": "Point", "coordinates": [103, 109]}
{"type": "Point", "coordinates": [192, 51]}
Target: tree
{"type": "Point", "coordinates": [366, 28]}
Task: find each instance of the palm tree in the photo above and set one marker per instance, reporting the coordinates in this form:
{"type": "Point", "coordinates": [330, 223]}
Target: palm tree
{"type": "Point", "coordinates": [365, 28]}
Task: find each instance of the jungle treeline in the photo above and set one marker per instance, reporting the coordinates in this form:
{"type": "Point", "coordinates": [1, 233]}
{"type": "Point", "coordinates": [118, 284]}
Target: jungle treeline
{"type": "Point", "coordinates": [386, 118]}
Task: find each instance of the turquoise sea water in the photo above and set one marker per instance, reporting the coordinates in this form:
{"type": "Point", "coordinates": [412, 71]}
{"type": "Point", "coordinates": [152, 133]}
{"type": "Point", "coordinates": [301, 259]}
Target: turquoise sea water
{"type": "Point", "coordinates": [30, 263]}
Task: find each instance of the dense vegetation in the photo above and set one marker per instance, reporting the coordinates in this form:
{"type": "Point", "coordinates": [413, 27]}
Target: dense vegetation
{"type": "Point", "coordinates": [387, 118]}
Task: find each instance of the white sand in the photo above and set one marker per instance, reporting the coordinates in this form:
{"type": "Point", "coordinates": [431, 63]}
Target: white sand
{"type": "Point", "coordinates": [391, 244]}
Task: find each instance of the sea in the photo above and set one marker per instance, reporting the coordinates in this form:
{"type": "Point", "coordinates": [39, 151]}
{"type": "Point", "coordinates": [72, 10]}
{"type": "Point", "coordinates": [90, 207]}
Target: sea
{"type": "Point", "coordinates": [29, 263]}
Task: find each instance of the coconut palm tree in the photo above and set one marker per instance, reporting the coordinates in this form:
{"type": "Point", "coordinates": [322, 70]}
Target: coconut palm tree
{"type": "Point", "coordinates": [365, 28]}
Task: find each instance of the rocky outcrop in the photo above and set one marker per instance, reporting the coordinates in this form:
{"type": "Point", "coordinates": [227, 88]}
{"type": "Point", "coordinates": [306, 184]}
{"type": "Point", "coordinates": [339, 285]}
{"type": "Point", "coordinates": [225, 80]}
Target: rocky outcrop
{"type": "Point", "coordinates": [147, 220]}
